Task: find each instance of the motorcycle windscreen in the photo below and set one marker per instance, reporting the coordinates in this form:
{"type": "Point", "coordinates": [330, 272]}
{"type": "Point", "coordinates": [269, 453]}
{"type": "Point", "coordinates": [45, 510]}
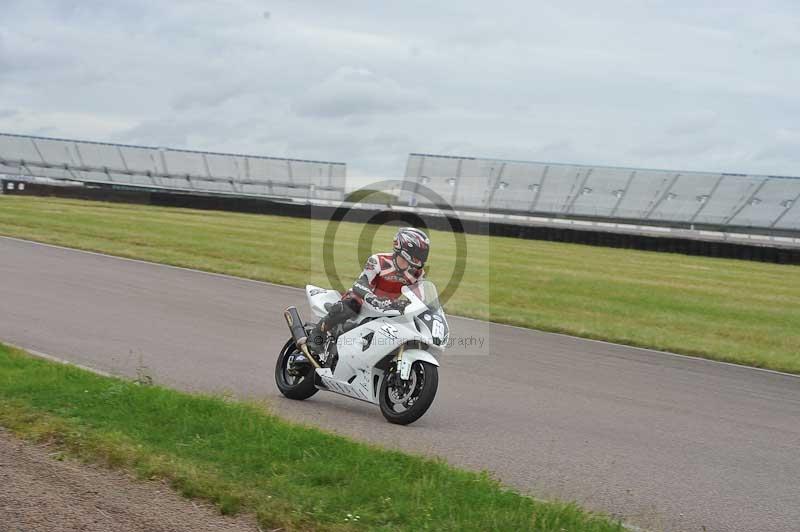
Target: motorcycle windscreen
{"type": "Point", "coordinates": [434, 318]}
{"type": "Point", "coordinates": [426, 292]}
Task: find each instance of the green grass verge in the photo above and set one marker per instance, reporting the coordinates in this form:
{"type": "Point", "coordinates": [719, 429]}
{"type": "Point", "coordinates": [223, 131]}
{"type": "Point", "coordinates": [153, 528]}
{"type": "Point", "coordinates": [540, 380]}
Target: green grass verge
{"type": "Point", "coordinates": [731, 310]}
{"type": "Point", "coordinates": [371, 196]}
{"type": "Point", "coordinates": [243, 459]}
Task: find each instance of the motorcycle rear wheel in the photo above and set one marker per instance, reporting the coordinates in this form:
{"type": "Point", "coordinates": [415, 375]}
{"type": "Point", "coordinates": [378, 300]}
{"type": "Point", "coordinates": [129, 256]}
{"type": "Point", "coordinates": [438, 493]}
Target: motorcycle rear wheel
{"type": "Point", "coordinates": [294, 387]}
{"type": "Point", "coordinates": [414, 402]}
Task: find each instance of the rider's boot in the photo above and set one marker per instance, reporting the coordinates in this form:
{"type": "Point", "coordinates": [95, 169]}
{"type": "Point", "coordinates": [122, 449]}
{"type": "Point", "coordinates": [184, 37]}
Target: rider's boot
{"type": "Point", "coordinates": [316, 338]}
{"type": "Point", "coordinates": [338, 313]}
{"type": "Point", "coordinates": [315, 343]}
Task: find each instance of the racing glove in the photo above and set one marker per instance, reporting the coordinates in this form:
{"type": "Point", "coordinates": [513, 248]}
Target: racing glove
{"type": "Point", "coordinates": [380, 303]}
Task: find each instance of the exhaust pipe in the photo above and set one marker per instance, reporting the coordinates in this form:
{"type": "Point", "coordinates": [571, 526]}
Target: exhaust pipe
{"type": "Point", "coordinates": [299, 333]}
{"type": "Point", "coordinates": [295, 325]}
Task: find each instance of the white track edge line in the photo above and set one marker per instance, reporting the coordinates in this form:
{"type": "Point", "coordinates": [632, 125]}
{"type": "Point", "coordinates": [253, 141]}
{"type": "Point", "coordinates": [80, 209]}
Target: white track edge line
{"type": "Point", "coordinates": [51, 358]}
{"type": "Point", "coordinates": [267, 283]}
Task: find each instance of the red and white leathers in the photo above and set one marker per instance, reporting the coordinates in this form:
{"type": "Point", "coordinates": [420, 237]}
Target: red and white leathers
{"type": "Point", "coordinates": [382, 279]}
{"type": "Point", "coordinates": [380, 282]}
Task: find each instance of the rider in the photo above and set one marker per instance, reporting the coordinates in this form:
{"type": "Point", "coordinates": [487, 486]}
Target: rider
{"type": "Point", "coordinates": [384, 275]}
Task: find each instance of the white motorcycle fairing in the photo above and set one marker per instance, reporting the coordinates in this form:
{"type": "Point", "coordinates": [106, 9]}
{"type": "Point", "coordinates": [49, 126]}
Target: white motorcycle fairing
{"type": "Point", "coordinates": [318, 297]}
{"type": "Point", "coordinates": [364, 351]}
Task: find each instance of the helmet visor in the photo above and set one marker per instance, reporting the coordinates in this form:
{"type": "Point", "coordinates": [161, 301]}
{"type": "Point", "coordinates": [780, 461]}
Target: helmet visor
{"type": "Point", "coordinates": [417, 260]}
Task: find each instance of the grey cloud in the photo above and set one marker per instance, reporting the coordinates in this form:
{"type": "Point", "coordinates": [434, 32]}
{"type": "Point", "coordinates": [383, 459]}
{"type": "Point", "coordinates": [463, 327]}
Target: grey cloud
{"type": "Point", "coordinates": [167, 133]}
{"type": "Point", "coordinates": [208, 94]}
{"type": "Point", "coordinates": [784, 145]}
{"type": "Point", "coordinates": [678, 147]}
{"type": "Point", "coordinates": [693, 122]}
{"type": "Point", "coordinates": [357, 91]}
{"type": "Point", "coordinates": [657, 84]}
{"type": "Point", "coordinates": [5, 60]}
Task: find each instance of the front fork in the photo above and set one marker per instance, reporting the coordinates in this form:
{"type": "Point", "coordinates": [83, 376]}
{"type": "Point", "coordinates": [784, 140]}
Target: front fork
{"type": "Point", "coordinates": [403, 365]}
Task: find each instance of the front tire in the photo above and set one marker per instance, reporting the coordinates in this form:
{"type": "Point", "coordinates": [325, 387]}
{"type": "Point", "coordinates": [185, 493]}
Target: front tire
{"type": "Point", "coordinates": [298, 387]}
{"type": "Point", "coordinates": [404, 403]}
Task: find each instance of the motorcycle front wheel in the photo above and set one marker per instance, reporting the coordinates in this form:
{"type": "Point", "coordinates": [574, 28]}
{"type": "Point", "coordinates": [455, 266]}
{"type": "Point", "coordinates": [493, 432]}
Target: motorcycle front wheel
{"type": "Point", "coordinates": [404, 402]}
{"type": "Point", "coordinates": [297, 387]}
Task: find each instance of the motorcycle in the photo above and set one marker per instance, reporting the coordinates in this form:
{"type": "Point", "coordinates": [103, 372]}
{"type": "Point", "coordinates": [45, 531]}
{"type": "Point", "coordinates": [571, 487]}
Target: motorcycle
{"type": "Point", "coordinates": [384, 357]}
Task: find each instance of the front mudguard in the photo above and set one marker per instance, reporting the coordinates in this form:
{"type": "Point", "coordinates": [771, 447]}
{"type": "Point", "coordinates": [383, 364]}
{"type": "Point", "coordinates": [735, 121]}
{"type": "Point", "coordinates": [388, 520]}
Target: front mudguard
{"type": "Point", "coordinates": [410, 356]}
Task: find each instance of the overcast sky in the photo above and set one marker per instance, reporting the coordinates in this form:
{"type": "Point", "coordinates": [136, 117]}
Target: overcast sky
{"type": "Point", "coordinates": [664, 84]}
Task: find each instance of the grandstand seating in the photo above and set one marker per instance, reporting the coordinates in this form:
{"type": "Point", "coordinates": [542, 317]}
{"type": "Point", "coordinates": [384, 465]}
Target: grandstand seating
{"type": "Point", "coordinates": [721, 200]}
{"type": "Point", "coordinates": [165, 168]}
{"type": "Point", "coordinates": [479, 184]}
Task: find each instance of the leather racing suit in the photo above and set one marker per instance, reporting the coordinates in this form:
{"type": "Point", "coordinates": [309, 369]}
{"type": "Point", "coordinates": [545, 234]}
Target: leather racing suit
{"type": "Point", "coordinates": [379, 284]}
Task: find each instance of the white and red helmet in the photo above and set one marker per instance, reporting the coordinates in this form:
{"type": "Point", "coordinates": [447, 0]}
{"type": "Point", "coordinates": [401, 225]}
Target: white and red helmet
{"type": "Point", "coordinates": [413, 245]}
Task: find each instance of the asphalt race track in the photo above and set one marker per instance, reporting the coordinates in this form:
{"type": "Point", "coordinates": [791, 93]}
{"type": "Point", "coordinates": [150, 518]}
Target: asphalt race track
{"type": "Point", "coordinates": [666, 442]}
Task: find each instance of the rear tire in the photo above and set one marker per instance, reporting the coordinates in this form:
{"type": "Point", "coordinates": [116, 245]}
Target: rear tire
{"type": "Point", "coordinates": [297, 388]}
{"type": "Point", "coordinates": [426, 379]}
